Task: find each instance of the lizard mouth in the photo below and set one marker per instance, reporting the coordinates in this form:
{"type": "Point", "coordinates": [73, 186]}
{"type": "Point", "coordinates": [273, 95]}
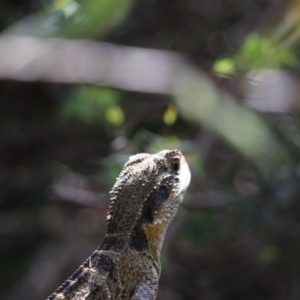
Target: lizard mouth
{"type": "Point", "coordinates": [184, 176]}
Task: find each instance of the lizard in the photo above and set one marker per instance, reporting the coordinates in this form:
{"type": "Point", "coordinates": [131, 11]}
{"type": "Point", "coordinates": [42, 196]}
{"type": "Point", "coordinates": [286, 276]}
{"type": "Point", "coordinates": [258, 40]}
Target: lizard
{"type": "Point", "coordinates": [143, 202]}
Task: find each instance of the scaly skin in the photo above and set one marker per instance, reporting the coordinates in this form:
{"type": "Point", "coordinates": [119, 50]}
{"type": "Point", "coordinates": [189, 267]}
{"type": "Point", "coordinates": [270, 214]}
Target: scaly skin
{"type": "Point", "coordinates": [143, 202]}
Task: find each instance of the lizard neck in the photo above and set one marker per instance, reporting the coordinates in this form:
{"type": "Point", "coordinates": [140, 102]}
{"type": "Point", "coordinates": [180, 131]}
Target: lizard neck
{"type": "Point", "coordinates": [155, 235]}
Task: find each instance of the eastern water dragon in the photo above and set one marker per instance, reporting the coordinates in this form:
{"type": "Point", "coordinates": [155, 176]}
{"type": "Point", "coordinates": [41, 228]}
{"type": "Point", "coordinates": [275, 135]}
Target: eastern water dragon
{"type": "Point", "coordinates": [143, 202]}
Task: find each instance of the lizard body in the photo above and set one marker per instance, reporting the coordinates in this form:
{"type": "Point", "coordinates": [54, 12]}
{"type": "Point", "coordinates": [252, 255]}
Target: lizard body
{"type": "Point", "coordinates": [143, 202]}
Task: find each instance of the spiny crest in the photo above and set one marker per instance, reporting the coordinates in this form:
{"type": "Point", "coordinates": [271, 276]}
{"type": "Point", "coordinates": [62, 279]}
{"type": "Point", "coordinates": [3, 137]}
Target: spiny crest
{"type": "Point", "coordinates": [135, 159]}
{"type": "Point", "coordinates": [128, 195]}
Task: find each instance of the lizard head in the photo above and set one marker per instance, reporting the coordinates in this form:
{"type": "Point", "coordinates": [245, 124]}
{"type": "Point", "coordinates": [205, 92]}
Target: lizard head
{"type": "Point", "coordinates": [170, 183]}
{"type": "Point", "coordinates": [147, 193]}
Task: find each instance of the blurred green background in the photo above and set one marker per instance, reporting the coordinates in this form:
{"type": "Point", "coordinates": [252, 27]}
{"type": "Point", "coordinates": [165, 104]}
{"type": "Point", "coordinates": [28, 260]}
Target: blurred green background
{"type": "Point", "coordinates": [234, 114]}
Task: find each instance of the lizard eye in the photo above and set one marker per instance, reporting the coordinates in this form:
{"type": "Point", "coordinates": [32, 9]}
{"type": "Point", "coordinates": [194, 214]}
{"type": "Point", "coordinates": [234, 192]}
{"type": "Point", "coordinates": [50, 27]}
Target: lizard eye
{"type": "Point", "coordinates": [175, 164]}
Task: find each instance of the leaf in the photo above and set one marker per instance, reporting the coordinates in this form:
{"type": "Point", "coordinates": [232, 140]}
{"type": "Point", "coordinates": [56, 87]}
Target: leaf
{"type": "Point", "coordinates": [115, 115]}
{"type": "Point", "coordinates": [170, 115]}
{"type": "Point", "coordinates": [224, 67]}
{"type": "Point", "coordinates": [95, 18]}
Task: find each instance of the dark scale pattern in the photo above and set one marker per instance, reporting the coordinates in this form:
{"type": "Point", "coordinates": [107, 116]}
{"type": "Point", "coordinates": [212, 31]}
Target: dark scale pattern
{"type": "Point", "coordinates": [76, 274]}
{"type": "Point", "coordinates": [148, 211]}
{"type": "Point", "coordinates": [138, 239]}
{"type": "Point", "coordinates": [144, 201]}
{"type": "Point", "coordinates": [102, 261]}
{"type": "Point", "coordinates": [169, 182]}
{"type": "Point", "coordinates": [155, 200]}
{"type": "Point", "coordinates": [160, 196]}
{"type": "Point", "coordinates": [108, 242]}
{"type": "Point", "coordinates": [63, 286]}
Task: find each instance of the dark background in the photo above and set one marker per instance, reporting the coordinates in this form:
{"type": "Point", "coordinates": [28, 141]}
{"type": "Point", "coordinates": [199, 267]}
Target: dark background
{"type": "Point", "coordinates": [236, 236]}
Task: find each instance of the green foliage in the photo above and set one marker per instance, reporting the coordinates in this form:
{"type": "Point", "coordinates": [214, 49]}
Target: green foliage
{"type": "Point", "coordinates": [94, 105]}
{"type": "Point", "coordinates": [69, 19]}
{"type": "Point", "coordinates": [94, 18]}
{"type": "Point", "coordinates": [170, 115]}
{"type": "Point", "coordinates": [224, 67]}
{"type": "Point", "coordinates": [114, 115]}
{"type": "Point", "coordinates": [262, 52]}
{"type": "Point", "coordinates": [258, 52]}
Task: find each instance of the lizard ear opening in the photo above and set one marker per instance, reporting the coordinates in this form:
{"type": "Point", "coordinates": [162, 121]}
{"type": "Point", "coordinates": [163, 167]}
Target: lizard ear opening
{"type": "Point", "coordinates": [175, 164]}
{"type": "Point", "coordinates": [162, 195]}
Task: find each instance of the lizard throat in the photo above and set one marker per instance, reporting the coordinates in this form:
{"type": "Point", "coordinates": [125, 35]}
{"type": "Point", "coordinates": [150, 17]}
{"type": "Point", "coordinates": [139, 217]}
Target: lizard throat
{"type": "Point", "coordinates": [155, 237]}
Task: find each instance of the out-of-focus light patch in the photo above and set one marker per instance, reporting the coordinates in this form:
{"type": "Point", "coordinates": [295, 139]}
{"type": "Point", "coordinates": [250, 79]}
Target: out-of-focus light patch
{"type": "Point", "coordinates": [224, 67]}
{"type": "Point", "coordinates": [115, 115]}
{"type": "Point", "coordinates": [271, 90]}
{"type": "Point", "coordinates": [119, 143]}
{"type": "Point", "coordinates": [68, 7]}
{"type": "Point", "coordinates": [58, 4]}
{"type": "Point", "coordinates": [170, 115]}
{"type": "Point", "coordinates": [71, 9]}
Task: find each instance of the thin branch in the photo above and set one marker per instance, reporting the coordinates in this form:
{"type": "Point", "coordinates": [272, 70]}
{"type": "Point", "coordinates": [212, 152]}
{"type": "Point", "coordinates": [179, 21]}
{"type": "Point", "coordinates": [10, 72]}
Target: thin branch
{"type": "Point", "coordinates": [83, 61]}
{"type": "Point", "coordinates": [143, 70]}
